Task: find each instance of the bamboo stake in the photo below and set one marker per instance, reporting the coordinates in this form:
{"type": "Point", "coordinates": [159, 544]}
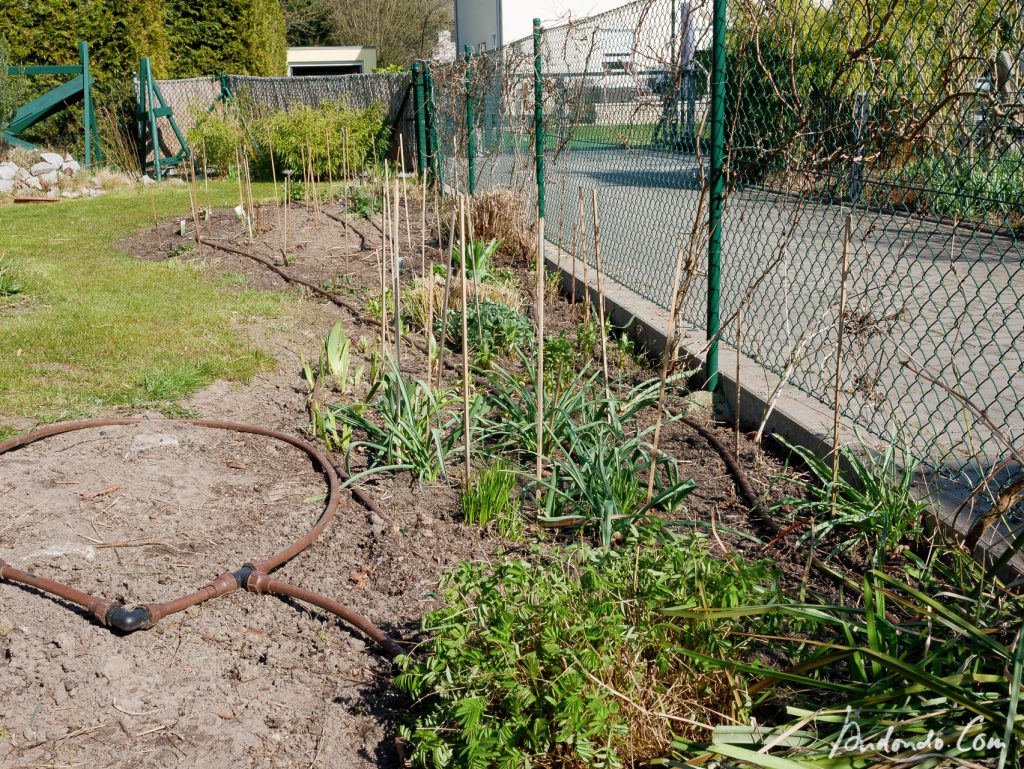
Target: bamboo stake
{"type": "Point", "coordinates": [273, 178]}
{"type": "Point", "coordinates": [476, 278]}
{"type": "Point", "coordinates": [384, 253]}
{"type": "Point", "coordinates": [540, 349]}
{"type": "Point", "coordinates": [396, 287]}
{"type": "Point", "coordinates": [600, 294]}
{"type": "Point", "coordinates": [739, 354]}
{"type": "Point", "coordinates": [583, 251]}
{"type": "Point", "coordinates": [575, 250]}
{"type": "Point", "coordinates": [194, 202]}
{"type": "Point", "coordinates": [447, 294]}
{"type": "Point", "coordinates": [287, 205]}
{"type": "Point", "coordinates": [465, 345]}
{"type": "Point", "coordinates": [666, 363]}
{"type": "Point", "coordinates": [330, 170]}
{"type": "Point", "coordinates": [248, 187]}
{"type": "Point", "coordinates": [241, 195]}
{"type": "Point", "coordinates": [839, 357]}
{"type": "Point", "coordinates": [206, 182]}
{"type": "Point", "coordinates": [405, 192]}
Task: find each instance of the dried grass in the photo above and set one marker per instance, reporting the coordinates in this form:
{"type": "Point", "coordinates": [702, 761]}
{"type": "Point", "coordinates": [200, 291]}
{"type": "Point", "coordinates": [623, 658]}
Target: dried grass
{"type": "Point", "coordinates": [499, 215]}
{"type": "Point", "coordinates": [417, 297]}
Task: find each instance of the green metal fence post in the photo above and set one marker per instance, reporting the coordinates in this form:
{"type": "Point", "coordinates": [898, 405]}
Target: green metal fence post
{"type": "Point", "coordinates": [538, 116]}
{"type": "Point", "coordinates": [89, 116]}
{"type": "Point", "coordinates": [432, 142]}
{"type": "Point", "coordinates": [418, 107]}
{"type": "Point", "coordinates": [717, 181]}
{"type": "Point", "coordinates": [470, 135]}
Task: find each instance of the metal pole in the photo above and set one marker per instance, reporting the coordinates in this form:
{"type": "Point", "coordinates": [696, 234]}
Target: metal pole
{"type": "Point", "coordinates": [421, 129]}
{"type": "Point", "coordinates": [717, 181]}
{"type": "Point", "coordinates": [432, 142]}
{"type": "Point", "coordinates": [88, 119]}
{"type": "Point", "coordinates": [470, 136]}
{"type": "Point", "coordinates": [538, 119]}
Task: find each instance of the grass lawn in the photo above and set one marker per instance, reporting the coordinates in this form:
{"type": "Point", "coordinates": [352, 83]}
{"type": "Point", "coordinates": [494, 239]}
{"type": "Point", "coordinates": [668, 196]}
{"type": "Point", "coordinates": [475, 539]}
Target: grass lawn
{"type": "Point", "coordinates": [93, 328]}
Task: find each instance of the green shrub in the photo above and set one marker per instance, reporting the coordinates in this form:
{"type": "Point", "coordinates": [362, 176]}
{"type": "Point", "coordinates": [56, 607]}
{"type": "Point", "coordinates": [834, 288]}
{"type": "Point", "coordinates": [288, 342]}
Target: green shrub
{"type": "Point", "coordinates": [217, 137]}
{"type": "Point", "coordinates": [12, 87]}
{"type": "Point", "coordinates": [358, 138]}
{"type": "Point", "coordinates": [565, 660]}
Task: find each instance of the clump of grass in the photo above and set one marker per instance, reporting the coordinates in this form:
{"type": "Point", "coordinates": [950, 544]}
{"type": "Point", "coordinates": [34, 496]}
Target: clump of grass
{"type": "Point", "coordinates": [874, 505]}
{"type": "Point", "coordinates": [165, 384]}
{"type": "Point", "coordinates": [490, 496]}
{"type": "Point", "coordinates": [361, 203]}
{"type": "Point", "coordinates": [9, 282]}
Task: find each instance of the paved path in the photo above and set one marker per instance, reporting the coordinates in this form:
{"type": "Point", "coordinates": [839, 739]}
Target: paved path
{"type": "Point", "coordinates": [951, 299]}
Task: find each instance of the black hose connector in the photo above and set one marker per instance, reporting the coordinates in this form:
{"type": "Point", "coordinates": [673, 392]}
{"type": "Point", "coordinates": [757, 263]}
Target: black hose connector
{"type": "Point", "coordinates": [242, 575]}
{"type": "Point", "coordinates": [127, 620]}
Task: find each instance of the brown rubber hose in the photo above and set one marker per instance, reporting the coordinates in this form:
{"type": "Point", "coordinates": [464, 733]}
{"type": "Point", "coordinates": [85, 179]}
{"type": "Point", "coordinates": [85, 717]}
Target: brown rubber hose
{"type": "Point", "coordinates": [250, 576]}
{"type": "Point", "coordinates": [415, 343]}
{"type": "Point", "coordinates": [259, 582]}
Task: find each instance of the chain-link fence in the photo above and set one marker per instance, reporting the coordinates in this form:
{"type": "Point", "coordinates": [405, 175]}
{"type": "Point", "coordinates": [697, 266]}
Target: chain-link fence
{"type": "Point", "coordinates": [191, 98]}
{"type": "Point", "coordinates": [906, 117]}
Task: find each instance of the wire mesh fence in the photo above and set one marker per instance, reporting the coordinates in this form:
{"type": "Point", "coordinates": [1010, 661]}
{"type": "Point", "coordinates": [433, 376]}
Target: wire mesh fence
{"type": "Point", "coordinates": [192, 98]}
{"type": "Point", "coordinates": [908, 118]}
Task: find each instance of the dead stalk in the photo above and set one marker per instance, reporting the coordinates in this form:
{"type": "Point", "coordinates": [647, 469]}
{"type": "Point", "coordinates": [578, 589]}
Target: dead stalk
{"type": "Point", "coordinates": [396, 283]}
{"type": "Point", "coordinates": [600, 294]}
{"type": "Point", "coordinates": [839, 359]}
{"type": "Point", "coordinates": [465, 343]}
{"type": "Point", "coordinates": [447, 295]}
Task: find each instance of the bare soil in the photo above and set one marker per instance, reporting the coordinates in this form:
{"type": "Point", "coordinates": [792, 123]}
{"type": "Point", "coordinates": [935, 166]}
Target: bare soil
{"type": "Point", "coordinates": [150, 512]}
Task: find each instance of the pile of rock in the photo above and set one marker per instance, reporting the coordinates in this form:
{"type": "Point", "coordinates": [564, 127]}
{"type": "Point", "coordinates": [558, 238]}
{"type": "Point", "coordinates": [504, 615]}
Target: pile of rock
{"type": "Point", "coordinates": [43, 176]}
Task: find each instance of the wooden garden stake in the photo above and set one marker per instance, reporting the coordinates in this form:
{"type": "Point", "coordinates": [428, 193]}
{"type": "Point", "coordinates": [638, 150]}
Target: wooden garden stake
{"type": "Point", "coordinates": [583, 252]}
{"type": "Point", "coordinates": [330, 170]}
{"type": "Point", "coordinates": [839, 358]}
{"type": "Point", "coordinates": [666, 363]}
{"type": "Point", "coordinates": [241, 194]}
{"type": "Point", "coordinates": [445, 301]}
{"type": "Point", "coordinates": [396, 288]}
{"type": "Point", "coordinates": [384, 254]}
{"type": "Point", "coordinates": [465, 344]}
{"type": "Point", "coordinates": [193, 198]}
{"type": "Point", "coordinates": [600, 294]}
{"type": "Point", "coordinates": [405, 191]}
{"type": "Point", "coordinates": [206, 183]}
{"type": "Point", "coordinates": [739, 353]}
{"type": "Point", "coordinates": [273, 178]}
{"type": "Point", "coordinates": [476, 278]}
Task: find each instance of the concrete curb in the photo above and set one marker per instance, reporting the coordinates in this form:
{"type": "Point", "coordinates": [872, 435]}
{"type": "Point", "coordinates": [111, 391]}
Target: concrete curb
{"type": "Point", "coordinates": [796, 416]}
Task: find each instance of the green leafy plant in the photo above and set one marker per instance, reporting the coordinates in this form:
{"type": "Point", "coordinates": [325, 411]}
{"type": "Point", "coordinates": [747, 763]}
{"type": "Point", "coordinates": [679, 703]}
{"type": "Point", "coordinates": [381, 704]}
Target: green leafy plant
{"type": "Point", "coordinates": [501, 330]}
{"type": "Point", "coordinates": [564, 660]}
{"type": "Point", "coordinates": [414, 428]}
{"type": "Point", "coordinates": [337, 359]}
{"type": "Point", "coordinates": [361, 202]}
{"type": "Point", "coordinates": [932, 657]}
{"type": "Point", "coordinates": [587, 337]}
{"type": "Point", "coordinates": [875, 504]}
{"type": "Point", "coordinates": [490, 496]}
{"type": "Point", "coordinates": [478, 258]}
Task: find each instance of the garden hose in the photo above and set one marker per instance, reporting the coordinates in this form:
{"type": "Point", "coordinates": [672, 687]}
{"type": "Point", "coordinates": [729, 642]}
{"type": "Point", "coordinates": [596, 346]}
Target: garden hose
{"type": "Point", "coordinates": [253, 576]}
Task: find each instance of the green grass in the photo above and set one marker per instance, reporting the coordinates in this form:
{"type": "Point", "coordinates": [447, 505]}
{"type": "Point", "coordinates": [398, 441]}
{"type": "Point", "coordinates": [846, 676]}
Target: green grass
{"type": "Point", "coordinates": [96, 328]}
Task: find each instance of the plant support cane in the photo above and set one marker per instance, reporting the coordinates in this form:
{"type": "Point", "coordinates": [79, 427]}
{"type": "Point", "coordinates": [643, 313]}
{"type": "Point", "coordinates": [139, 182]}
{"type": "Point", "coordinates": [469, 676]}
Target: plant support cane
{"type": "Point", "coordinates": [538, 117]}
{"type": "Point", "coordinates": [600, 296]}
{"type": "Point", "coordinates": [839, 359]}
{"type": "Point", "coordinates": [465, 345]}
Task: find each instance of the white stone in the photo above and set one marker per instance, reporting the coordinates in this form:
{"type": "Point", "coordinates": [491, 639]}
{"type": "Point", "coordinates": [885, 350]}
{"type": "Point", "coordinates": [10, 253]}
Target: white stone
{"type": "Point", "coordinates": [71, 167]}
{"type": "Point", "coordinates": [8, 170]}
{"type": "Point", "coordinates": [52, 158]}
{"type": "Point", "coordinates": [147, 180]}
{"type": "Point", "coordinates": [22, 175]}
{"type": "Point", "coordinates": [48, 179]}
{"type": "Point", "coordinates": [44, 168]}
{"type": "Point", "coordinates": [69, 194]}
{"type": "Point", "coordinates": [32, 182]}
{"type": "Point", "coordinates": [6, 186]}
{"type": "Point", "coordinates": [96, 183]}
